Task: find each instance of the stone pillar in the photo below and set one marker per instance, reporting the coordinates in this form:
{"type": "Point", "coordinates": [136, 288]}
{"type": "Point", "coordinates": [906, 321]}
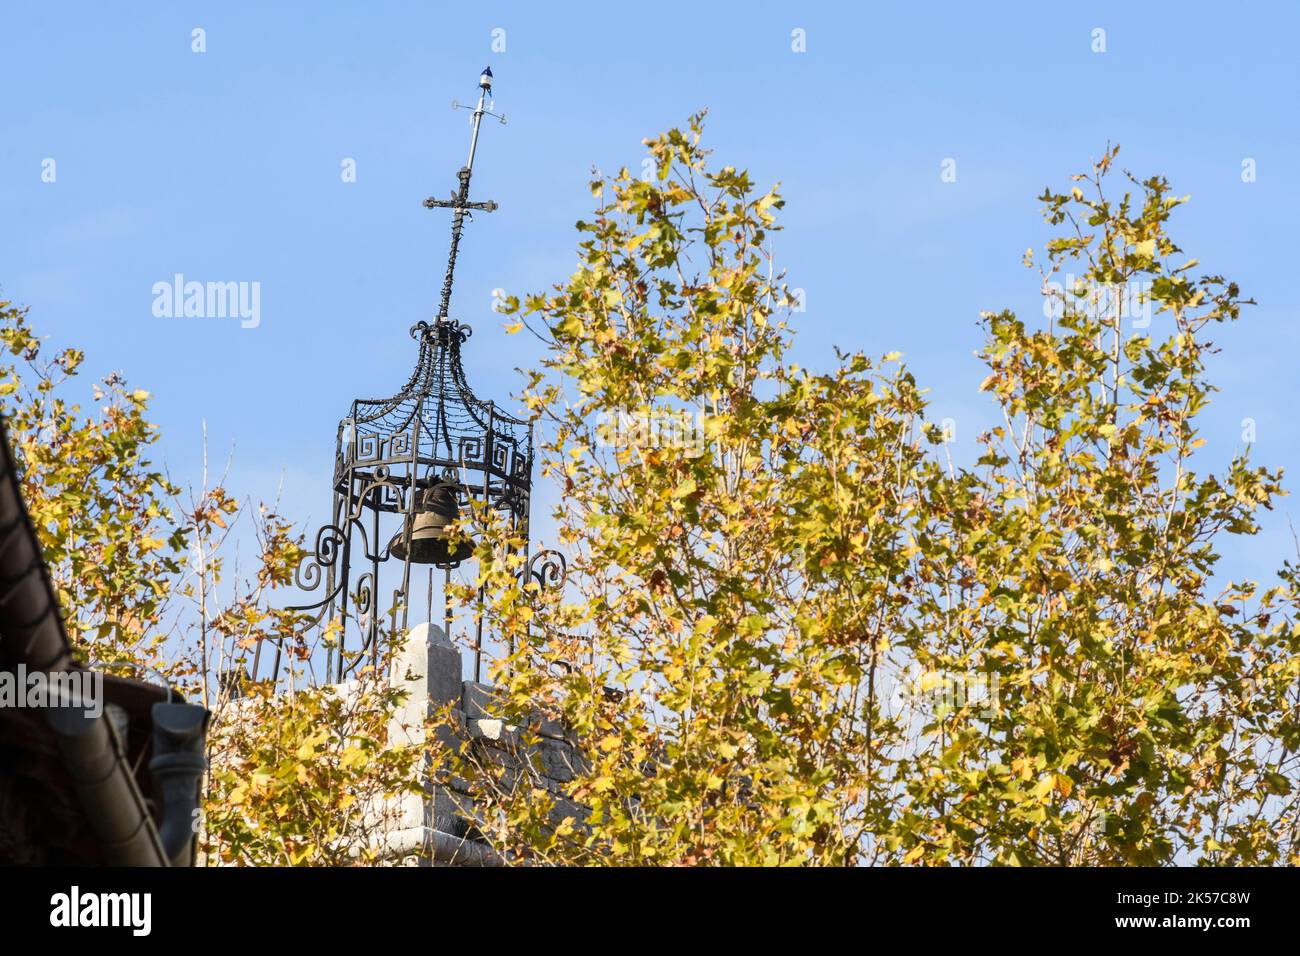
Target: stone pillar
{"type": "Point", "coordinates": [428, 666]}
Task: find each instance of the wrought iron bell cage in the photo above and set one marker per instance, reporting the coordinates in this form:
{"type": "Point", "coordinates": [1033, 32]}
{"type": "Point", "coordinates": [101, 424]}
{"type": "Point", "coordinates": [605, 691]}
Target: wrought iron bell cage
{"type": "Point", "coordinates": [391, 451]}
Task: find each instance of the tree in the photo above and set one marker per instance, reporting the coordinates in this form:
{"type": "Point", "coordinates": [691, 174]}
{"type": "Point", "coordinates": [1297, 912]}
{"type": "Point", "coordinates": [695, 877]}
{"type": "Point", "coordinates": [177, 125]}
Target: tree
{"type": "Point", "coordinates": [100, 507]}
{"type": "Point", "coordinates": [1065, 687]}
{"type": "Point", "coordinates": [140, 569]}
{"type": "Point", "coordinates": [1142, 716]}
{"type": "Point", "coordinates": [735, 592]}
{"type": "Point", "coordinates": [309, 777]}
{"type": "Point", "coordinates": [793, 632]}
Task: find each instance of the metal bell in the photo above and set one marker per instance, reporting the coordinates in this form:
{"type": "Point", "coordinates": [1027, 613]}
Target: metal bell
{"type": "Point", "coordinates": [424, 539]}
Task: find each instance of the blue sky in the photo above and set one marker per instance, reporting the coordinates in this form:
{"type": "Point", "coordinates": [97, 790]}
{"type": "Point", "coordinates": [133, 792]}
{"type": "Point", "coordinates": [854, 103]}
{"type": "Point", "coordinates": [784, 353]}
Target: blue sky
{"type": "Point", "coordinates": [225, 165]}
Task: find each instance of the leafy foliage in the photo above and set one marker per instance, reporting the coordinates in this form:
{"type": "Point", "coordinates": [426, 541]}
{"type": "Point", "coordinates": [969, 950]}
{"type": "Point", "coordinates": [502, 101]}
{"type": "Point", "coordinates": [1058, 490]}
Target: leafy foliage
{"type": "Point", "coordinates": [769, 639]}
{"type": "Point", "coordinates": [100, 506]}
{"type": "Point", "coordinates": [1143, 718]}
{"type": "Point", "coordinates": [310, 778]}
{"type": "Point", "coordinates": [142, 579]}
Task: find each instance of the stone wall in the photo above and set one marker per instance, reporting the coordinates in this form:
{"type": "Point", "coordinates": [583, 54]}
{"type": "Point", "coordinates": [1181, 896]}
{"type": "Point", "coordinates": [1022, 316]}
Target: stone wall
{"type": "Point", "coordinates": [438, 828]}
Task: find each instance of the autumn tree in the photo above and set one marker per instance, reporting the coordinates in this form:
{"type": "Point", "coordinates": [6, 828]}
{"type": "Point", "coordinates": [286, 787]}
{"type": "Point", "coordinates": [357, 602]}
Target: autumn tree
{"type": "Point", "coordinates": [150, 589]}
{"type": "Point", "coordinates": [795, 633]}
{"type": "Point", "coordinates": [1144, 713]}
{"type": "Point", "coordinates": [102, 509]}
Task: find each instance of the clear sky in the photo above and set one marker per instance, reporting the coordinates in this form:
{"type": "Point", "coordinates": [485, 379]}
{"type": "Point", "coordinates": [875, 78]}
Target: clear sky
{"type": "Point", "coordinates": [226, 166]}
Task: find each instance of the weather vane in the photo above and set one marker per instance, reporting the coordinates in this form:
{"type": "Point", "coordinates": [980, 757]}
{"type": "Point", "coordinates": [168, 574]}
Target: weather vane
{"type": "Point", "coordinates": [459, 201]}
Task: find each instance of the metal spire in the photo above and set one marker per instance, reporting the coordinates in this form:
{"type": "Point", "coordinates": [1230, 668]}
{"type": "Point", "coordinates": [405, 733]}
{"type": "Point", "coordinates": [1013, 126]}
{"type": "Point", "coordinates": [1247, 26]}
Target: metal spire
{"type": "Point", "coordinates": [459, 202]}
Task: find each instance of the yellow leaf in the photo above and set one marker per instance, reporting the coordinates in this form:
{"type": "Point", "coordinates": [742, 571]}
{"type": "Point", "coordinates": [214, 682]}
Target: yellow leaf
{"type": "Point", "coordinates": [637, 240]}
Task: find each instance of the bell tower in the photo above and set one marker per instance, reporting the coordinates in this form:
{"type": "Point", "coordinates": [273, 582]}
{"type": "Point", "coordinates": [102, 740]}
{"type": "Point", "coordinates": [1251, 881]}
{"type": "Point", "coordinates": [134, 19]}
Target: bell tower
{"type": "Point", "coordinates": [406, 468]}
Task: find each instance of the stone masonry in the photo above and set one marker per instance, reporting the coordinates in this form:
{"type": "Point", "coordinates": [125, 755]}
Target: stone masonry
{"type": "Point", "coordinates": [437, 828]}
